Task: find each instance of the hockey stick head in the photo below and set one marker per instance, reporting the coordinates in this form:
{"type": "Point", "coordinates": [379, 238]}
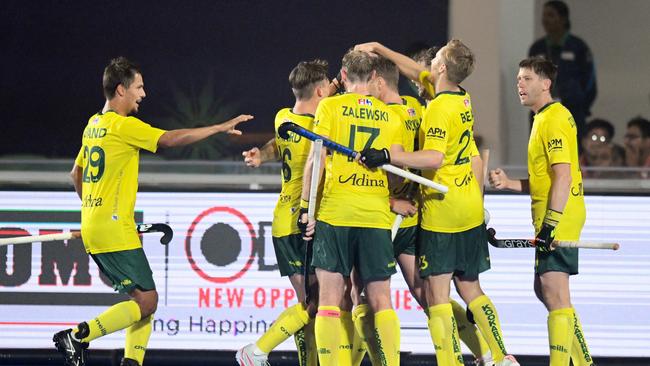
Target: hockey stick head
{"type": "Point", "coordinates": [491, 233]}
{"type": "Point", "coordinates": [283, 130]}
{"type": "Point", "coordinates": [167, 231]}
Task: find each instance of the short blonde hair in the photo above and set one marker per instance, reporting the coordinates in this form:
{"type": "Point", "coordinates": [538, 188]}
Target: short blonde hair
{"type": "Point", "coordinates": [458, 59]}
{"type": "Point", "coordinates": [359, 66]}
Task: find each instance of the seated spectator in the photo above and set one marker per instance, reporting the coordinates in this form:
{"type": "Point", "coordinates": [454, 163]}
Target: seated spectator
{"type": "Point", "coordinates": [598, 150]}
{"type": "Point", "coordinates": [637, 143]}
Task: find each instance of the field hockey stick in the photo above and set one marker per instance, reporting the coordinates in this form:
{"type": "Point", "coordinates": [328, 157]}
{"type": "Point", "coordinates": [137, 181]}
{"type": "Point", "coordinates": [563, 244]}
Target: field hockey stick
{"type": "Point", "coordinates": [528, 243]}
{"type": "Point", "coordinates": [283, 132]}
{"type": "Point", "coordinates": [399, 218]}
{"type": "Point", "coordinates": [311, 210]}
{"type": "Point", "coordinates": [142, 229]}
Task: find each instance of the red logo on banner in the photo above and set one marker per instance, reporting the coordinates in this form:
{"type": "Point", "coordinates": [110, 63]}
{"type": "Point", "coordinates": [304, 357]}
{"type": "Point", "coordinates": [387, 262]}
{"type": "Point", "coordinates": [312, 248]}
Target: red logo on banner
{"type": "Point", "coordinates": [223, 231]}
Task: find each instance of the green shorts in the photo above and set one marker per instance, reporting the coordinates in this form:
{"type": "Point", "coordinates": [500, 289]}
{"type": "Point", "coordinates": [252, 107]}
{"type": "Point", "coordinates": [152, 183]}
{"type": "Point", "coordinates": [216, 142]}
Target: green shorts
{"type": "Point", "coordinates": [290, 254]}
{"type": "Point", "coordinates": [464, 254]}
{"type": "Point", "coordinates": [127, 270]}
{"type": "Point", "coordinates": [341, 248]}
{"type": "Point", "coordinates": [560, 260]}
{"type": "Point", "coordinates": [405, 241]}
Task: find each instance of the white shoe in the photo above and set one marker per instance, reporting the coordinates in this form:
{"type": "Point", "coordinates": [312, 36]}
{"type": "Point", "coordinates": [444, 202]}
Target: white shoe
{"type": "Point", "coordinates": [247, 357]}
{"type": "Point", "coordinates": [485, 360]}
{"type": "Point", "coordinates": [509, 360]}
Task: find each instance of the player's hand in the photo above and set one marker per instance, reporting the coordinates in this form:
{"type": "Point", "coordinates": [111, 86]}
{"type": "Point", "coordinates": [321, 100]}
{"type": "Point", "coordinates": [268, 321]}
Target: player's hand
{"type": "Point", "coordinates": [252, 157]}
{"type": "Point", "coordinates": [229, 126]}
{"type": "Point", "coordinates": [403, 207]}
{"type": "Point", "coordinates": [546, 234]}
{"type": "Point", "coordinates": [306, 226]}
{"type": "Point", "coordinates": [373, 158]}
{"type": "Point", "coordinates": [498, 179]}
{"type": "Point", "coordinates": [369, 47]}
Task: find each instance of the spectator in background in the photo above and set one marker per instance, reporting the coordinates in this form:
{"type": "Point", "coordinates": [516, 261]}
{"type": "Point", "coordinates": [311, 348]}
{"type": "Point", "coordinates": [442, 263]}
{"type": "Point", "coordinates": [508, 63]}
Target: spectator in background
{"type": "Point", "coordinates": [576, 79]}
{"type": "Point", "coordinates": [637, 143]}
{"type": "Point", "coordinates": [598, 150]}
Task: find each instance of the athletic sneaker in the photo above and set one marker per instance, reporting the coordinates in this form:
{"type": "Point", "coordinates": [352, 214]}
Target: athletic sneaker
{"type": "Point", "coordinates": [129, 362]}
{"type": "Point", "coordinates": [73, 351]}
{"type": "Point", "coordinates": [247, 357]}
{"type": "Point", "coordinates": [509, 360]}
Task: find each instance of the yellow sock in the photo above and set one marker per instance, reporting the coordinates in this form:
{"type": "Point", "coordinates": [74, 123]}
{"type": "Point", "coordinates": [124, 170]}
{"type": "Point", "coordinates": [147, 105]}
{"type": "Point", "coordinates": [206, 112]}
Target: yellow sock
{"type": "Point", "coordinates": [137, 338]}
{"type": "Point", "coordinates": [364, 325]}
{"type": "Point", "coordinates": [580, 355]}
{"type": "Point", "coordinates": [387, 333]}
{"type": "Point", "coordinates": [487, 320]}
{"type": "Point", "coordinates": [347, 338]}
{"type": "Point", "coordinates": [444, 334]}
{"type": "Point", "coordinates": [117, 317]}
{"type": "Point", "coordinates": [328, 335]}
{"type": "Point", "coordinates": [560, 336]}
{"type": "Point", "coordinates": [301, 346]}
{"type": "Point", "coordinates": [289, 322]}
{"type": "Point", "coordinates": [469, 333]}
{"type": "Point", "coordinates": [310, 342]}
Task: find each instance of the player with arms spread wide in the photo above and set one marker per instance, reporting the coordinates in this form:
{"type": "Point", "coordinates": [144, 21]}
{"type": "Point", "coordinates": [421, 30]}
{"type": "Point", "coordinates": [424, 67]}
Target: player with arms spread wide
{"type": "Point", "coordinates": [105, 176]}
{"type": "Point", "coordinates": [555, 186]}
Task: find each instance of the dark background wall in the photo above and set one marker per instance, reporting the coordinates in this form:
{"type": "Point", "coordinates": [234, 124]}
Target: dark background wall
{"type": "Point", "coordinates": [202, 60]}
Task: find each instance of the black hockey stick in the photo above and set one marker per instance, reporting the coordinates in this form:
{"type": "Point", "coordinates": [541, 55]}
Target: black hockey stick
{"type": "Point", "coordinates": [529, 243]}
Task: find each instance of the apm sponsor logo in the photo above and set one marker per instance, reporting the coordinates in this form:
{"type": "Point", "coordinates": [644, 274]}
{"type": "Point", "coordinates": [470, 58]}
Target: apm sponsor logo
{"type": "Point", "coordinates": [436, 133]}
{"type": "Point", "coordinates": [554, 144]}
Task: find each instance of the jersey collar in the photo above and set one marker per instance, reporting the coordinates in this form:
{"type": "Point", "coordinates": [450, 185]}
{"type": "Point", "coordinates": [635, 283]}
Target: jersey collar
{"type": "Point", "coordinates": [461, 92]}
{"type": "Point", "coordinates": [301, 114]}
{"type": "Point", "coordinates": [545, 107]}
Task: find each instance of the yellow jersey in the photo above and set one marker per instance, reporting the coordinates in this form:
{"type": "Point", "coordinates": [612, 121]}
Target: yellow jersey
{"type": "Point", "coordinates": [410, 113]}
{"type": "Point", "coordinates": [109, 158]}
{"type": "Point", "coordinates": [353, 195]}
{"type": "Point", "coordinates": [447, 127]}
{"type": "Point", "coordinates": [553, 140]}
{"type": "Point", "coordinates": [294, 152]}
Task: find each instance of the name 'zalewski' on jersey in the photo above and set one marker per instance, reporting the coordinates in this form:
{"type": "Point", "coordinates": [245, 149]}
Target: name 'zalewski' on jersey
{"type": "Point", "coordinates": [109, 158]}
{"type": "Point", "coordinates": [354, 195]}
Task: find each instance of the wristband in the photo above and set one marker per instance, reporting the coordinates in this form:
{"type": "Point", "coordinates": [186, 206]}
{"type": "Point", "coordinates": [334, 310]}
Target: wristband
{"type": "Point", "coordinates": [552, 217]}
{"type": "Point", "coordinates": [304, 203]}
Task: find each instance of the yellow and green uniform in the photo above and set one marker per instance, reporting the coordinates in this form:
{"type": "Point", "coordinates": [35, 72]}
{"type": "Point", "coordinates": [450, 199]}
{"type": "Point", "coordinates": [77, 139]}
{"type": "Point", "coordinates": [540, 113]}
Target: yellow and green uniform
{"type": "Point", "coordinates": [293, 151]}
{"type": "Point", "coordinates": [109, 158]}
{"type": "Point", "coordinates": [553, 141]}
{"type": "Point", "coordinates": [447, 127]}
{"type": "Point", "coordinates": [353, 195]}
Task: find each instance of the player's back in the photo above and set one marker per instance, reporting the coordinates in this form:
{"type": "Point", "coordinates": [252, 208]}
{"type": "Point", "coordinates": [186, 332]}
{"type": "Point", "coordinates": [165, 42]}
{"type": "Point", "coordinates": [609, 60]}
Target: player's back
{"type": "Point", "coordinates": [109, 159]}
{"type": "Point", "coordinates": [294, 152]}
{"type": "Point", "coordinates": [354, 195]}
{"type": "Point", "coordinates": [447, 127]}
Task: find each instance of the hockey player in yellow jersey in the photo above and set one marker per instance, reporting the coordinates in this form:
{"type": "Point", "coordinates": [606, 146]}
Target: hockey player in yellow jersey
{"type": "Point", "coordinates": [310, 84]}
{"type": "Point", "coordinates": [453, 242]}
{"type": "Point", "coordinates": [105, 176]}
{"type": "Point", "coordinates": [353, 221]}
{"type": "Point", "coordinates": [556, 191]}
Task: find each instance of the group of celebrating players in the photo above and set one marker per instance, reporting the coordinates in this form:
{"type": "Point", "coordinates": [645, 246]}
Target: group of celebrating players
{"type": "Point", "coordinates": [443, 236]}
{"type": "Point", "coordinates": [346, 310]}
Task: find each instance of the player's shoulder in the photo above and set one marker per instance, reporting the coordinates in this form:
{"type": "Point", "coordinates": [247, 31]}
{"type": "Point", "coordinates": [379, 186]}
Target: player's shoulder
{"type": "Point", "coordinates": [554, 115]}
{"type": "Point", "coordinates": [411, 101]}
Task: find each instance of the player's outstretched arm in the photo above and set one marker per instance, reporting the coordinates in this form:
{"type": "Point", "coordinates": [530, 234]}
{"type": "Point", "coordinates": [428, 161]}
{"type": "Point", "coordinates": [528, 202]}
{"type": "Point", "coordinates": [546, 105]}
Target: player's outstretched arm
{"type": "Point", "coordinates": [187, 136]}
{"type": "Point", "coordinates": [256, 156]}
{"type": "Point", "coordinates": [407, 66]}
{"type": "Point", "coordinates": [499, 180]}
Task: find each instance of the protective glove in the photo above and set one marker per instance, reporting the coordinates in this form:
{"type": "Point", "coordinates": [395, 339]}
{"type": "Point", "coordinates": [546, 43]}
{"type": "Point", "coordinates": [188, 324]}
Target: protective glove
{"type": "Point", "coordinates": [546, 234]}
{"type": "Point", "coordinates": [373, 158]}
